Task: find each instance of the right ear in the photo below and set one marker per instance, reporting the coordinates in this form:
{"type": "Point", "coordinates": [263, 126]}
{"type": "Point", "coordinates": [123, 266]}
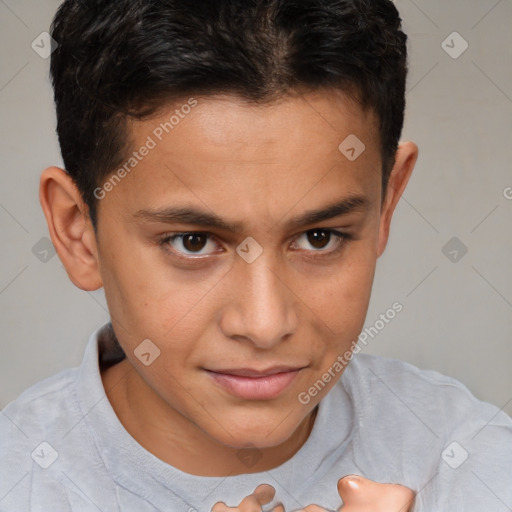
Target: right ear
{"type": "Point", "coordinates": [70, 228]}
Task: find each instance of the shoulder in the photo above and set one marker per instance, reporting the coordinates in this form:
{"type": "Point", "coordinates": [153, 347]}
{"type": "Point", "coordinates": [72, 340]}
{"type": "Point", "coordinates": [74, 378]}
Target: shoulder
{"type": "Point", "coordinates": [428, 429]}
{"type": "Point", "coordinates": [30, 428]}
{"type": "Point", "coordinates": [41, 406]}
{"type": "Point", "coordinates": [391, 376]}
{"type": "Point", "coordinates": [388, 366]}
{"type": "Point", "coordinates": [391, 386]}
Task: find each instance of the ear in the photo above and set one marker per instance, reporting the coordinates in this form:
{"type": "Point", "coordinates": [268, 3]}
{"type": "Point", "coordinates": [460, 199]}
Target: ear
{"type": "Point", "coordinates": [70, 228]}
{"type": "Point", "coordinates": [406, 156]}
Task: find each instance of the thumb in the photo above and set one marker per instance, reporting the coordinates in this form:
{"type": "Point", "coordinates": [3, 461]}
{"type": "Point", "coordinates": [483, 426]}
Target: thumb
{"type": "Point", "coordinates": [361, 494]}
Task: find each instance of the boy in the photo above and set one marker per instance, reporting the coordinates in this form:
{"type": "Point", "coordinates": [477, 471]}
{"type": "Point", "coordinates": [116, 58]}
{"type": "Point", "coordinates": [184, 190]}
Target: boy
{"type": "Point", "coordinates": [232, 169]}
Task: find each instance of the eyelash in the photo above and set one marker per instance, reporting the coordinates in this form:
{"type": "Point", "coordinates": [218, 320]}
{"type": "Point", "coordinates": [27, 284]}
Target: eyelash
{"type": "Point", "coordinates": [342, 240]}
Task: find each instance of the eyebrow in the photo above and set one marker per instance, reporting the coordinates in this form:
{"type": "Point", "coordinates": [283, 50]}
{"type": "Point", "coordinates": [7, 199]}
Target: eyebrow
{"type": "Point", "coordinates": [198, 217]}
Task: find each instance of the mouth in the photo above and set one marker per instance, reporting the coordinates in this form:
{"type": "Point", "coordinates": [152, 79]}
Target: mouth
{"type": "Point", "coordinates": [251, 384]}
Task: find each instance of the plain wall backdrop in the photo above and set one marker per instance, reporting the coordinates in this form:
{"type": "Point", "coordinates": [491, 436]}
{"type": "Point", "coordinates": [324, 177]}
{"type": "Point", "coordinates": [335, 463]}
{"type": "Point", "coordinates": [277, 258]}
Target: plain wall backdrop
{"type": "Point", "coordinates": [457, 305]}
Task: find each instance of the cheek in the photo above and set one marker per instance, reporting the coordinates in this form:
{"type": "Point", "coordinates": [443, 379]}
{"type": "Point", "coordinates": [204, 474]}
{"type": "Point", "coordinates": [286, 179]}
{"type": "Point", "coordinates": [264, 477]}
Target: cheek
{"type": "Point", "coordinates": [149, 297]}
{"type": "Point", "coordinates": [340, 299]}
{"type": "Point", "coordinates": [341, 308]}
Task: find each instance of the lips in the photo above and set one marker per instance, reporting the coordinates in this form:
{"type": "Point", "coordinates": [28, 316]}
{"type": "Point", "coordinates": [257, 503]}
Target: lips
{"type": "Point", "coordinates": [252, 384]}
{"type": "Point", "coordinates": [249, 372]}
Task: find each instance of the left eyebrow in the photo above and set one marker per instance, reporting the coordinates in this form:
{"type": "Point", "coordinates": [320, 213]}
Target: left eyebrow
{"type": "Point", "coordinates": [195, 216]}
{"type": "Point", "coordinates": [352, 204]}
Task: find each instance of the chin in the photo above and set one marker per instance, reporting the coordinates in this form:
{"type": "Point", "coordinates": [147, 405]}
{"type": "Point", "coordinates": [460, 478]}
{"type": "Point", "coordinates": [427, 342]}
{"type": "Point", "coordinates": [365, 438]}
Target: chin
{"type": "Point", "coordinates": [257, 431]}
{"type": "Point", "coordinates": [255, 442]}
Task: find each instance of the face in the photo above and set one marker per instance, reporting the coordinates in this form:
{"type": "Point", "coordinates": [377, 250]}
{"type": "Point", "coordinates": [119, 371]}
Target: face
{"type": "Point", "coordinates": [242, 243]}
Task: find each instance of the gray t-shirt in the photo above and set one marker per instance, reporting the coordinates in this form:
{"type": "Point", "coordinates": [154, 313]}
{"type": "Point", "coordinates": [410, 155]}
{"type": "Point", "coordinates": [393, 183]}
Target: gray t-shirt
{"type": "Point", "coordinates": [62, 447]}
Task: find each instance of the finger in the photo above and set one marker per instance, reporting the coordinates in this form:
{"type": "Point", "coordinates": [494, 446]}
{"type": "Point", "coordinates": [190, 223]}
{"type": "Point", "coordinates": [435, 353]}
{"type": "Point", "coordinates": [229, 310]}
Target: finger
{"type": "Point", "coordinates": [248, 504]}
{"type": "Point", "coordinates": [220, 506]}
{"type": "Point", "coordinates": [264, 493]}
{"type": "Point", "coordinates": [358, 492]}
{"type": "Point", "coordinates": [348, 485]}
{"type": "Point", "coordinates": [313, 508]}
{"type": "Point", "coordinates": [253, 503]}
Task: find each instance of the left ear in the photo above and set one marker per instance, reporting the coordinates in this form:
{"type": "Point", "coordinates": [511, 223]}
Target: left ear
{"type": "Point", "coordinates": [406, 156]}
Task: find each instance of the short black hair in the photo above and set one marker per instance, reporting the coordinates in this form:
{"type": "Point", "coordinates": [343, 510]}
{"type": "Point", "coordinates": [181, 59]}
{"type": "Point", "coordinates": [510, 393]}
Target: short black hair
{"type": "Point", "coordinates": [122, 59]}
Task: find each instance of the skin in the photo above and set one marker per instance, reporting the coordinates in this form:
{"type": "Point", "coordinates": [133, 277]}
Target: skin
{"type": "Point", "coordinates": [358, 494]}
{"type": "Point", "coordinates": [260, 166]}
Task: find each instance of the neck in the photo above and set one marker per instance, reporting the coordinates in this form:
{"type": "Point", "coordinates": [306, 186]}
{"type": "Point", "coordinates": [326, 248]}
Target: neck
{"type": "Point", "coordinates": [174, 439]}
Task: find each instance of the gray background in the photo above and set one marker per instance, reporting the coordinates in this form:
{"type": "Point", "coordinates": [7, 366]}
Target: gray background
{"type": "Point", "coordinates": [457, 316]}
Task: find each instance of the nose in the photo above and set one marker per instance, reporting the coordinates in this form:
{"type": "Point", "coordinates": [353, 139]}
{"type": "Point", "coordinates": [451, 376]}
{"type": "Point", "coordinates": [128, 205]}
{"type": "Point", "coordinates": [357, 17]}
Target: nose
{"type": "Point", "coordinates": [262, 309]}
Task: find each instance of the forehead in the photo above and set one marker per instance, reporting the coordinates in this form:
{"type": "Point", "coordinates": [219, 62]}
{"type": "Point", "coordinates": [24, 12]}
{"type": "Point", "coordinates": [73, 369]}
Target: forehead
{"type": "Point", "coordinates": [220, 121]}
{"type": "Point", "coordinates": [235, 157]}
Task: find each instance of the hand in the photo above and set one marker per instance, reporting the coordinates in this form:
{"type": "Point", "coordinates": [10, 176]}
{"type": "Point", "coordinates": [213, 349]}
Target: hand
{"type": "Point", "coordinates": [362, 495]}
{"type": "Point", "coordinates": [262, 495]}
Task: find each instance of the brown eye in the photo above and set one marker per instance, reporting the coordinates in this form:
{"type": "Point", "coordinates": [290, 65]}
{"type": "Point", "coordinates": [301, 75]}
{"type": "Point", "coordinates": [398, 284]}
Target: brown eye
{"type": "Point", "coordinates": [194, 241]}
{"type": "Point", "coordinates": [190, 244]}
{"type": "Point", "coordinates": [325, 242]}
{"type": "Point", "coordinates": [318, 238]}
